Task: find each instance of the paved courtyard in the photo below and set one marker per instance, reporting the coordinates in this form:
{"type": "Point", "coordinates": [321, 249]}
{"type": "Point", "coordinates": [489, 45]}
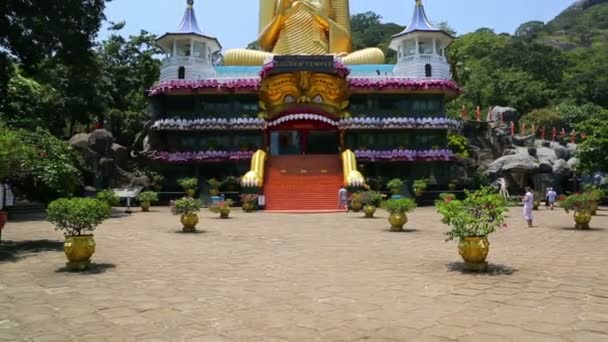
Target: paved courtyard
{"type": "Point", "coordinates": [332, 277]}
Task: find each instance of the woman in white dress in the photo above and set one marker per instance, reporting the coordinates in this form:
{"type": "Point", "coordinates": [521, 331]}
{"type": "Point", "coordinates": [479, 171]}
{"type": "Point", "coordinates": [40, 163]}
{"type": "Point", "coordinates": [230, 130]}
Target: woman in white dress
{"type": "Point", "coordinates": [528, 205]}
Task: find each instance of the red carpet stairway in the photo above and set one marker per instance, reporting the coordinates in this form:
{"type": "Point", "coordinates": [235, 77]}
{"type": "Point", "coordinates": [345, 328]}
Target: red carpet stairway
{"type": "Point", "coordinates": [303, 183]}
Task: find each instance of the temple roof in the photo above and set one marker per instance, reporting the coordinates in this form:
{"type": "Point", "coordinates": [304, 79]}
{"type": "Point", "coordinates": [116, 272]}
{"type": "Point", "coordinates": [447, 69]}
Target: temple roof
{"type": "Point", "coordinates": [188, 26]}
{"type": "Point", "coordinates": [420, 22]}
{"type": "Point", "coordinates": [189, 23]}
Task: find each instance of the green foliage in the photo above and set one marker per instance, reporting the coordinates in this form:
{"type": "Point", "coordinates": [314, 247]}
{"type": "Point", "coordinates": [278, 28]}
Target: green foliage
{"type": "Point", "coordinates": [148, 197]}
{"type": "Point", "coordinates": [188, 183]}
{"type": "Point", "coordinates": [370, 198]}
{"type": "Point", "coordinates": [545, 117]}
{"type": "Point", "coordinates": [48, 168]}
{"type": "Point", "coordinates": [10, 151]}
{"type": "Point", "coordinates": [395, 185]}
{"type": "Point", "coordinates": [399, 206]}
{"type": "Point", "coordinates": [593, 151]}
{"type": "Point", "coordinates": [368, 32]}
{"type": "Point", "coordinates": [249, 198]}
{"type": "Point", "coordinates": [186, 205]}
{"type": "Point", "coordinates": [479, 214]}
{"type": "Point", "coordinates": [459, 145]}
{"type": "Point", "coordinates": [109, 197]}
{"type": "Point", "coordinates": [77, 215]}
{"type": "Point", "coordinates": [578, 202]}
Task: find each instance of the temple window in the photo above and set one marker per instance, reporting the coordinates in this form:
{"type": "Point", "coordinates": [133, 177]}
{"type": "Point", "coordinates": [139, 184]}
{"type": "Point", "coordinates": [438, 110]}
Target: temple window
{"type": "Point", "coordinates": [181, 73]}
{"type": "Point", "coordinates": [425, 46]}
{"type": "Point", "coordinates": [410, 47]}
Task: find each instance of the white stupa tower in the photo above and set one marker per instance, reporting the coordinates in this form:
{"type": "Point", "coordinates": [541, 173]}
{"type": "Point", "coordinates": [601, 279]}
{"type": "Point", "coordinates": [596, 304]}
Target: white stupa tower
{"type": "Point", "coordinates": [189, 52]}
{"type": "Point", "coordinates": [421, 49]}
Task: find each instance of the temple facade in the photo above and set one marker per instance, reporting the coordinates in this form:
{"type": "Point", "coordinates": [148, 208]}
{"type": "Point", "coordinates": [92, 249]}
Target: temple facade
{"type": "Point", "coordinates": [300, 126]}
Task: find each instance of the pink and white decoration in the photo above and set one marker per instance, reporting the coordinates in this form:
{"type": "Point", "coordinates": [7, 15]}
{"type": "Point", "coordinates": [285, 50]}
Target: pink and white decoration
{"type": "Point", "coordinates": [404, 155]}
{"type": "Point", "coordinates": [209, 124]}
{"type": "Point", "coordinates": [302, 116]}
{"type": "Point", "coordinates": [201, 156]}
{"type": "Point", "coordinates": [399, 123]}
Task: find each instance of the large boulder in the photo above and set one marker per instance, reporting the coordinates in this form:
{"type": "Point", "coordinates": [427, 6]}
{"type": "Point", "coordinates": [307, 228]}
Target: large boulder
{"type": "Point", "coordinates": [573, 162]}
{"type": "Point", "coordinates": [509, 114]}
{"type": "Point", "coordinates": [545, 154]}
{"type": "Point", "coordinates": [520, 162]}
{"type": "Point", "coordinates": [120, 155]}
{"type": "Point", "coordinates": [101, 141]}
{"type": "Point", "coordinates": [561, 167]}
{"type": "Point", "coordinates": [525, 141]}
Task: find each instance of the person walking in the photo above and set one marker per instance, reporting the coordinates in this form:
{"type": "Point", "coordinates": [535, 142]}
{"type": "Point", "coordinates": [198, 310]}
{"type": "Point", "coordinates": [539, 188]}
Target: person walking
{"type": "Point", "coordinates": [528, 202]}
{"type": "Point", "coordinates": [343, 198]}
{"type": "Point", "coordinates": [551, 198]}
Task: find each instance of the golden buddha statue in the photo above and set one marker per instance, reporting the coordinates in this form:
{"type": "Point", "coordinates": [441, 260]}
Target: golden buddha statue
{"type": "Point", "coordinates": [304, 27]}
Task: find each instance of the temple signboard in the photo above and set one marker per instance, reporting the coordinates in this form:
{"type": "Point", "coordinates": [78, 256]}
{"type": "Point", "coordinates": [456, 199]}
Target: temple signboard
{"type": "Point", "coordinates": [295, 63]}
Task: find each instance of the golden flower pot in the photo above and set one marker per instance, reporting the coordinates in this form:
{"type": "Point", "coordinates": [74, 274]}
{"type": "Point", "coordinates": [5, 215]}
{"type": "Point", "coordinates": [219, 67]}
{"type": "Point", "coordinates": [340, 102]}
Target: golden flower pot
{"type": "Point", "coordinates": [369, 211]}
{"type": "Point", "coordinates": [79, 249]}
{"type": "Point", "coordinates": [248, 207]}
{"type": "Point", "coordinates": [397, 221]}
{"type": "Point", "coordinates": [356, 206]}
{"type": "Point", "coordinates": [191, 193]}
{"type": "Point", "coordinates": [145, 206]}
{"type": "Point", "coordinates": [189, 221]}
{"type": "Point", "coordinates": [582, 219]}
{"type": "Point", "coordinates": [224, 212]}
{"type": "Point", "coordinates": [474, 251]}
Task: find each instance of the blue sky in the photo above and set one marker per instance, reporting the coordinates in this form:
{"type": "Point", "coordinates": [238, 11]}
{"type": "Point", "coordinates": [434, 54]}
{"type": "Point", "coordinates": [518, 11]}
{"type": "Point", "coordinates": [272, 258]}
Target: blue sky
{"type": "Point", "coordinates": [234, 22]}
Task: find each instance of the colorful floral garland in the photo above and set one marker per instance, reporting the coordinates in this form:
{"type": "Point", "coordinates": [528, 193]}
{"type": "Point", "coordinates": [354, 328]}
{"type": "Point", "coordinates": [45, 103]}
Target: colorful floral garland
{"type": "Point", "coordinates": [201, 156]}
{"type": "Point", "coordinates": [397, 123]}
{"type": "Point", "coordinates": [210, 124]}
{"type": "Point", "coordinates": [253, 83]}
{"type": "Point", "coordinates": [404, 155]}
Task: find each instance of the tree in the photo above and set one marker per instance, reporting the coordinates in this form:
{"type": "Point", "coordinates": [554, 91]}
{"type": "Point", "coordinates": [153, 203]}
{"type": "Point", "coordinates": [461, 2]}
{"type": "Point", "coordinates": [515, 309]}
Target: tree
{"type": "Point", "coordinates": [530, 29]}
{"type": "Point", "coordinates": [586, 79]}
{"type": "Point", "coordinates": [447, 28]}
{"type": "Point", "coordinates": [593, 151]}
{"type": "Point", "coordinates": [129, 68]}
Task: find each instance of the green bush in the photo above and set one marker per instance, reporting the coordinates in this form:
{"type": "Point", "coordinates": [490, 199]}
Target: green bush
{"type": "Point", "coordinates": [77, 215]}
{"type": "Point", "coordinates": [578, 202]}
{"type": "Point", "coordinates": [10, 151]}
{"type": "Point", "coordinates": [108, 197]}
{"type": "Point", "coordinates": [478, 215]}
{"type": "Point", "coordinates": [188, 183]}
{"type": "Point", "coordinates": [459, 145]}
{"type": "Point", "coordinates": [147, 196]}
{"type": "Point", "coordinates": [186, 205]}
{"type": "Point", "coordinates": [48, 168]}
{"type": "Point", "coordinates": [399, 206]}
{"type": "Point", "coordinates": [420, 185]}
{"type": "Point", "coordinates": [545, 117]}
{"type": "Point", "coordinates": [214, 184]}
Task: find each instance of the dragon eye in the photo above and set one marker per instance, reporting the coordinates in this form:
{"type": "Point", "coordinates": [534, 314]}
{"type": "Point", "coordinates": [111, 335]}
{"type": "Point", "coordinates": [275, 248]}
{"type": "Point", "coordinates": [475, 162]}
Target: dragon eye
{"type": "Point", "coordinates": [289, 99]}
{"type": "Point", "coordinates": [317, 99]}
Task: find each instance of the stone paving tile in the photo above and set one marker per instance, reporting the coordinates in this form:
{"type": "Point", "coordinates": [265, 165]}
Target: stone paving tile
{"type": "Point", "coordinates": [334, 277]}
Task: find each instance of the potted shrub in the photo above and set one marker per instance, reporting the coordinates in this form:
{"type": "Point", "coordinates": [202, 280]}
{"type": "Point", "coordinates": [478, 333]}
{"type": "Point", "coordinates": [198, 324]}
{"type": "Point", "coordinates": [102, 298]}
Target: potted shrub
{"type": "Point", "coordinates": [355, 202]}
{"type": "Point", "coordinates": [595, 196]}
{"type": "Point", "coordinates": [76, 217]}
{"type": "Point", "coordinates": [370, 200]}
{"type": "Point", "coordinates": [109, 197]}
{"type": "Point", "coordinates": [420, 186]}
{"type": "Point", "coordinates": [222, 208]}
{"type": "Point", "coordinates": [187, 207]}
{"type": "Point", "coordinates": [582, 205]}
{"type": "Point", "coordinates": [398, 209]}
{"type": "Point", "coordinates": [214, 185]}
{"type": "Point", "coordinates": [189, 185]}
{"type": "Point", "coordinates": [231, 184]}
{"type": "Point", "coordinates": [536, 204]}
{"type": "Point", "coordinates": [250, 202]}
{"type": "Point", "coordinates": [471, 221]}
{"type": "Point", "coordinates": [395, 186]}
{"type": "Point", "coordinates": [146, 198]}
